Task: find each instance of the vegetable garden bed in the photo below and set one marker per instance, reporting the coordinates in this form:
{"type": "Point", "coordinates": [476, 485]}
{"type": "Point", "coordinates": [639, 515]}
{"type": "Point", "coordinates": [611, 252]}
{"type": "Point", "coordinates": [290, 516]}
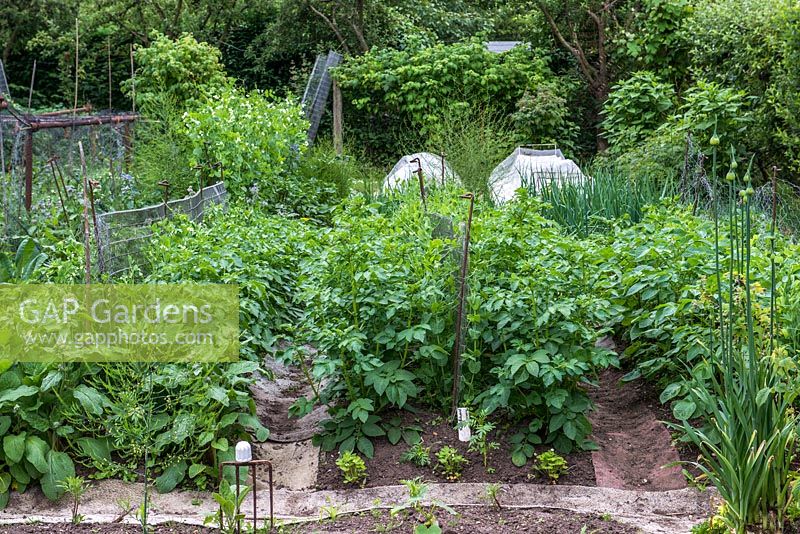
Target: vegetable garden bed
{"type": "Point", "coordinates": [386, 466]}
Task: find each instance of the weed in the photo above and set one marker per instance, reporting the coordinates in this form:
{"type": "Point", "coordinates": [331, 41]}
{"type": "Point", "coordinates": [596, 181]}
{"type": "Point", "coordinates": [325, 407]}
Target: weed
{"type": "Point", "coordinates": [451, 462]}
{"type": "Point", "coordinates": [479, 441]}
{"type": "Point", "coordinates": [353, 468]}
{"type": "Point", "coordinates": [76, 487]}
{"type": "Point", "coordinates": [551, 464]}
{"type": "Point", "coordinates": [229, 516]}
{"type": "Point", "coordinates": [418, 455]}
{"type": "Point", "coordinates": [492, 494]}
{"type": "Point", "coordinates": [417, 492]}
{"type": "Point", "coordinates": [329, 512]}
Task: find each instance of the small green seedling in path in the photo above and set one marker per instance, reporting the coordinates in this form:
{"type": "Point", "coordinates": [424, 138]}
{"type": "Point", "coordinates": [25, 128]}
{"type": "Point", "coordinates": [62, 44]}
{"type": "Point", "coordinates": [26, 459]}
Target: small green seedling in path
{"type": "Point", "coordinates": [493, 492]}
{"type": "Point", "coordinates": [417, 455]}
{"type": "Point", "coordinates": [551, 464]}
{"type": "Point", "coordinates": [353, 468]}
{"type": "Point", "coordinates": [417, 490]}
{"type": "Point", "coordinates": [451, 462]}
{"type": "Point", "coordinates": [76, 487]}
{"type": "Point", "coordinates": [229, 514]}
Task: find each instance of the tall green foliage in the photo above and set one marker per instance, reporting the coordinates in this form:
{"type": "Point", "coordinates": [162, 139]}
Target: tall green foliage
{"type": "Point", "coordinates": [380, 303]}
{"type": "Point", "coordinates": [417, 86]}
{"type": "Point", "coordinates": [248, 139]}
{"type": "Point", "coordinates": [183, 69]}
{"type": "Point", "coordinates": [749, 458]}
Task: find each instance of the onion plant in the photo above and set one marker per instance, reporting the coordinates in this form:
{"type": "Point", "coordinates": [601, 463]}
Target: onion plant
{"type": "Point", "coordinates": [749, 395]}
{"type": "Point", "coordinates": [587, 206]}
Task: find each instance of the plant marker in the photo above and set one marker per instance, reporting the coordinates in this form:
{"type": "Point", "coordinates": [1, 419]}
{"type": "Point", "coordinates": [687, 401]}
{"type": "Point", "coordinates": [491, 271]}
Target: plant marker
{"type": "Point", "coordinates": [464, 432]}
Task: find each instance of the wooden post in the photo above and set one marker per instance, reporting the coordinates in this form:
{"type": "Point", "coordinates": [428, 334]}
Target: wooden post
{"type": "Point", "coordinates": [28, 157]}
{"type": "Point", "coordinates": [75, 101]}
{"type": "Point", "coordinates": [338, 141]}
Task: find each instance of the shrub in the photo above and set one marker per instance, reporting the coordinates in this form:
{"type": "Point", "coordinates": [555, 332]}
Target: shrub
{"type": "Point", "coordinates": [414, 88]}
{"type": "Point", "coordinates": [635, 108]}
{"type": "Point", "coordinates": [543, 116]}
{"type": "Point", "coordinates": [182, 69]}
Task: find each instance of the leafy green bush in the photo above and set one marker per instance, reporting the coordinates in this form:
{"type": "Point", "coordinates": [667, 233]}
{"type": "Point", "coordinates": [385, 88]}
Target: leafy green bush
{"type": "Point", "coordinates": [242, 246]}
{"type": "Point", "coordinates": [708, 108]}
{"type": "Point", "coordinates": [635, 108]}
{"type": "Point", "coordinates": [414, 88]}
{"type": "Point", "coordinates": [248, 139]}
{"type": "Point", "coordinates": [183, 69]}
{"type": "Point", "coordinates": [543, 116]}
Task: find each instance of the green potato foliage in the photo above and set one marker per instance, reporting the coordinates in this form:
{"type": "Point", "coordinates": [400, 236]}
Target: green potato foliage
{"type": "Point", "coordinates": [380, 302]}
{"type": "Point", "coordinates": [239, 245]}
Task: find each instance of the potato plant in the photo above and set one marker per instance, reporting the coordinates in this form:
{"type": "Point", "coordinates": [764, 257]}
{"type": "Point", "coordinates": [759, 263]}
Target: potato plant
{"type": "Point", "coordinates": [379, 307]}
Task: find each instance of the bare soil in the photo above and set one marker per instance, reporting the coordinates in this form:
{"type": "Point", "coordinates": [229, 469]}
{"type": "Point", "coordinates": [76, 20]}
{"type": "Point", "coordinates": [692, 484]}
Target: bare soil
{"type": "Point", "coordinates": [386, 469]}
{"type": "Point", "coordinates": [636, 450]}
{"type": "Point", "coordinates": [472, 520]}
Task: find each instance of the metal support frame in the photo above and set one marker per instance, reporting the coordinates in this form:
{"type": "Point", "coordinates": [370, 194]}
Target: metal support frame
{"type": "Point", "coordinates": [254, 465]}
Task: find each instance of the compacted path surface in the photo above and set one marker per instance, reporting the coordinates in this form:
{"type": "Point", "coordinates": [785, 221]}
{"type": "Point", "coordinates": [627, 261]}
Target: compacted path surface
{"type": "Point", "coordinates": [635, 447]}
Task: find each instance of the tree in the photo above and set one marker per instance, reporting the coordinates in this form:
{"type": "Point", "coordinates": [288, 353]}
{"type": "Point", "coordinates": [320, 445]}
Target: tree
{"type": "Point", "coordinates": [584, 29]}
{"type": "Point", "coordinates": [333, 11]}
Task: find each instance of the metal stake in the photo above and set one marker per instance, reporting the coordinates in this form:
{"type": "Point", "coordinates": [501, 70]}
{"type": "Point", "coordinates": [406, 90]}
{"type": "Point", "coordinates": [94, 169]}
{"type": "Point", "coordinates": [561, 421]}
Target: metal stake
{"type": "Point", "coordinates": [165, 185]}
{"type": "Point", "coordinates": [421, 182]}
{"type": "Point", "coordinates": [460, 310]}
{"type": "Point", "coordinates": [58, 188]}
{"type": "Point", "coordinates": [87, 253]}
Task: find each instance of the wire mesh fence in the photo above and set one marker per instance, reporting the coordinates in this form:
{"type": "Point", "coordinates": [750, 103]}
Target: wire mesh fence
{"type": "Point", "coordinates": [123, 235]}
{"type": "Point", "coordinates": [41, 165]}
{"type": "Point", "coordinates": [315, 97]}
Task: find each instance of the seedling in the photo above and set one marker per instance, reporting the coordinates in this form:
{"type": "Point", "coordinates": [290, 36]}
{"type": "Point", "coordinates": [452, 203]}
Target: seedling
{"type": "Point", "coordinates": [551, 464]}
{"type": "Point", "coordinates": [493, 492]}
{"type": "Point", "coordinates": [418, 455]}
{"type": "Point", "coordinates": [330, 512]}
{"type": "Point", "coordinates": [76, 487]}
{"type": "Point", "coordinates": [417, 490]}
{"type": "Point", "coordinates": [353, 468]}
{"type": "Point", "coordinates": [451, 463]}
{"type": "Point", "coordinates": [228, 517]}
{"type": "Point", "coordinates": [479, 442]}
